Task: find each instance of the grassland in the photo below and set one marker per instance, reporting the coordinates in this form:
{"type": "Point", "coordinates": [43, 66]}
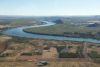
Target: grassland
{"type": "Point", "coordinates": [17, 22]}
{"type": "Point", "coordinates": [22, 22]}
{"type": "Point", "coordinates": [61, 28]}
{"type": "Point", "coordinates": [66, 29]}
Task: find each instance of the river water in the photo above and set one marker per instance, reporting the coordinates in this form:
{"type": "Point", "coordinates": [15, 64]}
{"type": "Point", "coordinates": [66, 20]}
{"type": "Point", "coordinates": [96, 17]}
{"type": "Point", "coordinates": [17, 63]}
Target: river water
{"type": "Point", "coordinates": [20, 33]}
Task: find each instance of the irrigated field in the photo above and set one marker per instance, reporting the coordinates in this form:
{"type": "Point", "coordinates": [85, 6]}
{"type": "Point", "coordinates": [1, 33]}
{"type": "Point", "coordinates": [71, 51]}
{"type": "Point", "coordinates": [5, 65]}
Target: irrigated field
{"type": "Point", "coordinates": [66, 29]}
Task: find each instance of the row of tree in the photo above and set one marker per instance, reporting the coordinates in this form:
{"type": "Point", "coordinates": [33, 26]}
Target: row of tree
{"type": "Point", "coordinates": [83, 35]}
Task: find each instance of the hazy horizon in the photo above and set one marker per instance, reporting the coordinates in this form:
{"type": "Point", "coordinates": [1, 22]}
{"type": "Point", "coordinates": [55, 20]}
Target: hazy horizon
{"type": "Point", "coordinates": [50, 7]}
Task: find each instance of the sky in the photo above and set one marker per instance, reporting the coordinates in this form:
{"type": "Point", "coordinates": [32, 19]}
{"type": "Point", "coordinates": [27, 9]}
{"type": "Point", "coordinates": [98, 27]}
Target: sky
{"type": "Point", "coordinates": [49, 7]}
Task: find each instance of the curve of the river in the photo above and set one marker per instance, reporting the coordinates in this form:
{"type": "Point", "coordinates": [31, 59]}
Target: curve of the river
{"type": "Point", "coordinates": [20, 33]}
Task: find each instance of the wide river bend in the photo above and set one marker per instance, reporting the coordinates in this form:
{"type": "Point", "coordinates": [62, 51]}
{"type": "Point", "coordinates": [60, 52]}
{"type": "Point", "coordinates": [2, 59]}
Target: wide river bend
{"type": "Point", "coordinates": [20, 33]}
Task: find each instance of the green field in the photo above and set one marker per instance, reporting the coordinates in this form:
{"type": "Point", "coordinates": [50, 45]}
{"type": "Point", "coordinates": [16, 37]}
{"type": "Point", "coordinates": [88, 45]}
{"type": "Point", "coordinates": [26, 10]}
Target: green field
{"type": "Point", "coordinates": [64, 29]}
{"type": "Point", "coordinates": [18, 22]}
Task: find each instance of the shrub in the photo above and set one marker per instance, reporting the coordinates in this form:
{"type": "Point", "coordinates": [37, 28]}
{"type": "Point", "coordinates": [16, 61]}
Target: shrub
{"type": "Point", "coordinates": [68, 55]}
{"type": "Point", "coordinates": [94, 54]}
{"type": "Point", "coordinates": [27, 54]}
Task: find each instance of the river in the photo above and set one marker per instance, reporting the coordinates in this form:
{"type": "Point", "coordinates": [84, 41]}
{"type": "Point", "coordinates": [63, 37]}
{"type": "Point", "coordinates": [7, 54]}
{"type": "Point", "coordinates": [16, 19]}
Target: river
{"type": "Point", "coordinates": [20, 33]}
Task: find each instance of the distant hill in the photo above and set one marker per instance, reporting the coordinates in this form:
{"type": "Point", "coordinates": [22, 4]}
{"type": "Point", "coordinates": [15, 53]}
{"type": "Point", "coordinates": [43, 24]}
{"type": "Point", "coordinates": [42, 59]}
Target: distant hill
{"type": "Point", "coordinates": [94, 25]}
{"type": "Point", "coordinates": [59, 21]}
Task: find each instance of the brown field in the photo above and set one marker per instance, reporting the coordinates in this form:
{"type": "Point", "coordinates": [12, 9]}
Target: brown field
{"type": "Point", "coordinates": [43, 50]}
{"type": "Point", "coordinates": [3, 42]}
{"type": "Point", "coordinates": [50, 54]}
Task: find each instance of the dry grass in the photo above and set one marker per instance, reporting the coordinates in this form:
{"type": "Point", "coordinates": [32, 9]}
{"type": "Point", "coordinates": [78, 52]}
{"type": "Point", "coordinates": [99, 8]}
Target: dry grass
{"type": "Point", "coordinates": [72, 64]}
{"type": "Point", "coordinates": [4, 38]}
{"type": "Point", "coordinates": [51, 64]}
{"type": "Point", "coordinates": [94, 48]}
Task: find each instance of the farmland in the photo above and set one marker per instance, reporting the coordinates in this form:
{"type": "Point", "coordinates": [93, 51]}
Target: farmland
{"type": "Point", "coordinates": [31, 51]}
{"type": "Point", "coordinates": [49, 33]}
{"type": "Point", "coordinates": [67, 29]}
{"type": "Point", "coordinates": [25, 52]}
